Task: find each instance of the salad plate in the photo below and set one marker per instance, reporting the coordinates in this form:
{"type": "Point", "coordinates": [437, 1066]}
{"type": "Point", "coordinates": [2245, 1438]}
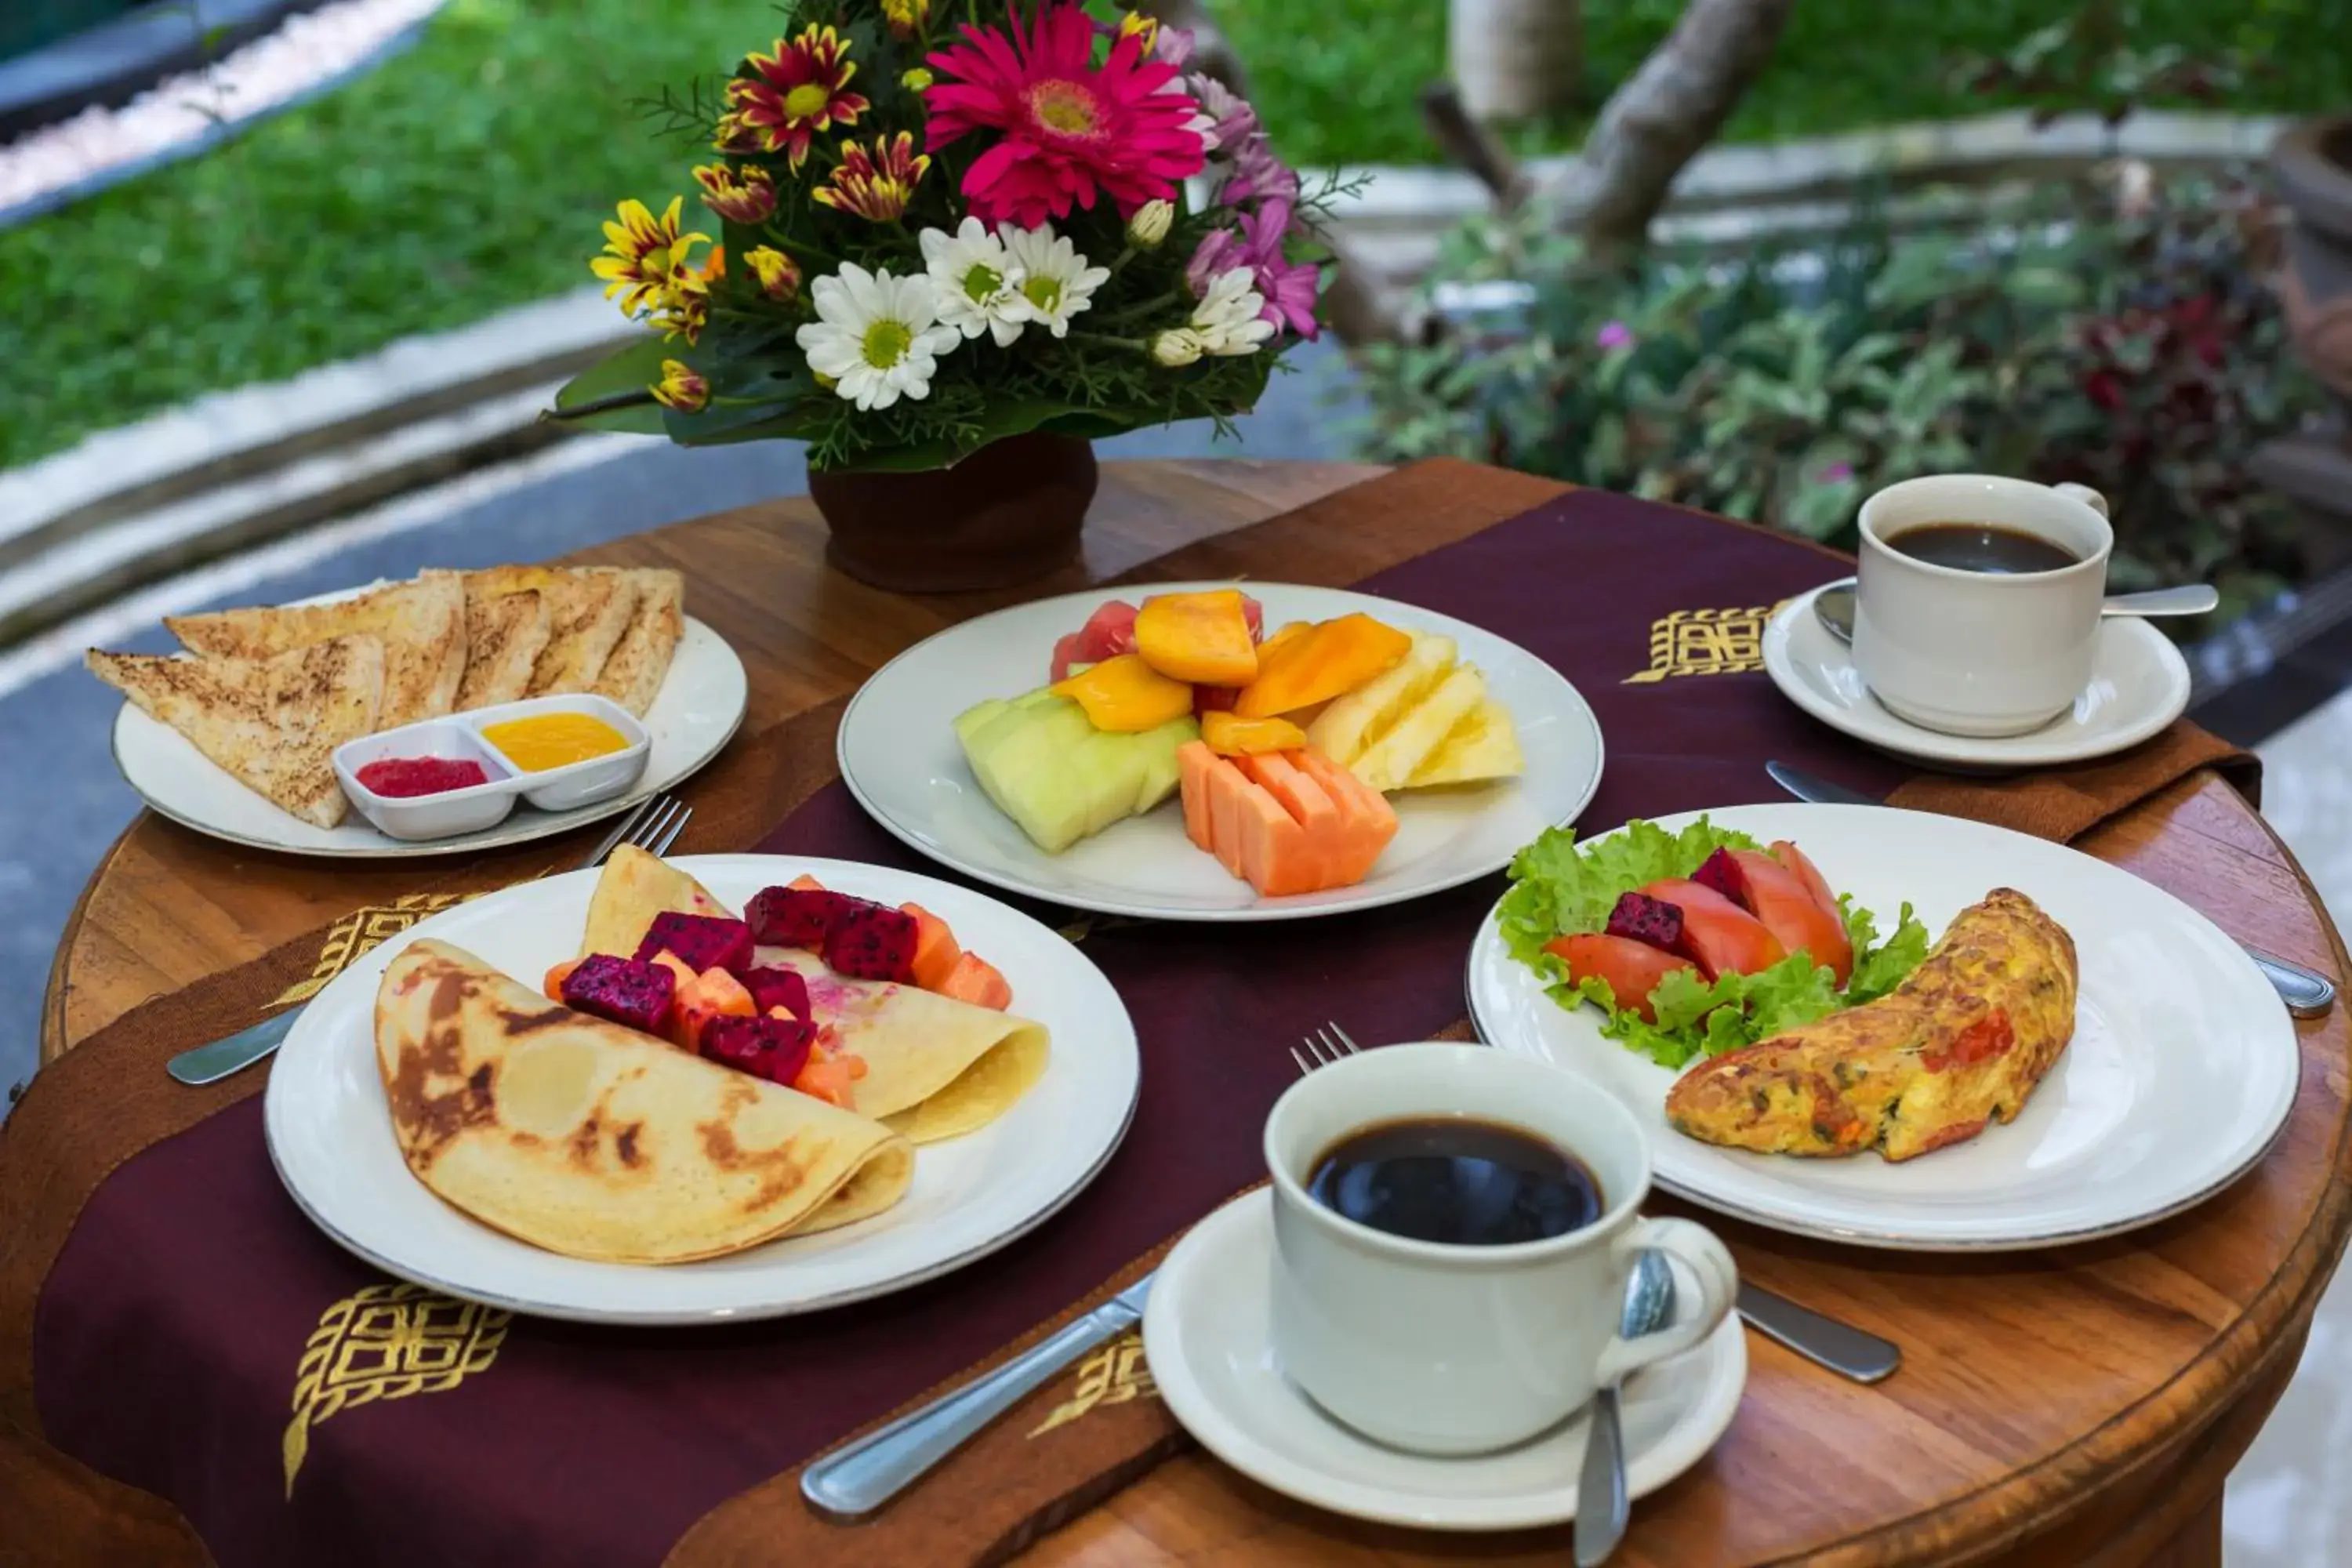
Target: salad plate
{"type": "Point", "coordinates": [901, 758]}
{"type": "Point", "coordinates": [332, 1133]}
{"type": "Point", "coordinates": [2181, 1069]}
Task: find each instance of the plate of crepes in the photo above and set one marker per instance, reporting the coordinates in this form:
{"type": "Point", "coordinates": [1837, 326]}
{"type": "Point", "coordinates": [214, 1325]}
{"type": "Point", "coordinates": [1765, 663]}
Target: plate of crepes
{"type": "Point", "coordinates": [1215, 751]}
{"type": "Point", "coordinates": [235, 737]}
{"type": "Point", "coordinates": [1891, 1028]}
{"type": "Point", "coordinates": [716, 1088]}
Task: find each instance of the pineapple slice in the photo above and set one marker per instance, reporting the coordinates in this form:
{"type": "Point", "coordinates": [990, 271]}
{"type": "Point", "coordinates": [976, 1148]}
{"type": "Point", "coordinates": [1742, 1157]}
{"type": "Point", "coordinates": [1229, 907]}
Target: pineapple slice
{"type": "Point", "coordinates": [1408, 744]}
{"type": "Point", "coordinates": [1349, 723]}
{"type": "Point", "coordinates": [1485, 745]}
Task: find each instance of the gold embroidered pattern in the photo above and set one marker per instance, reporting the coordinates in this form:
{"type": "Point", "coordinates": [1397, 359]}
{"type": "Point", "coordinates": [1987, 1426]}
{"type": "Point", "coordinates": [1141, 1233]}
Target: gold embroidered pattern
{"type": "Point", "coordinates": [351, 938]}
{"type": "Point", "coordinates": [388, 1342]}
{"type": "Point", "coordinates": [1112, 1375]}
{"type": "Point", "coordinates": [1706, 642]}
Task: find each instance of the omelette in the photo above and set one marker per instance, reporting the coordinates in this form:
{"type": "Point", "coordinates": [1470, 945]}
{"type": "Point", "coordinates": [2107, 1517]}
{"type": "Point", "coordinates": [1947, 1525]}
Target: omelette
{"type": "Point", "coordinates": [1959, 1044]}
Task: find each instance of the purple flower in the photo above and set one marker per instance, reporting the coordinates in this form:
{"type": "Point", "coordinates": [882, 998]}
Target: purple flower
{"type": "Point", "coordinates": [1232, 119]}
{"type": "Point", "coordinates": [1220, 251]}
{"type": "Point", "coordinates": [1289, 287]}
{"type": "Point", "coordinates": [1613, 335]}
{"type": "Point", "coordinates": [1173, 47]}
{"type": "Point", "coordinates": [1259, 176]}
{"type": "Point", "coordinates": [1837, 473]}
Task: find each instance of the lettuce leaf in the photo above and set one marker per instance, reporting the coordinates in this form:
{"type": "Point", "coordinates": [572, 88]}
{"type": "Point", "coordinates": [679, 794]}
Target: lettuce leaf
{"type": "Point", "coordinates": [1559, 888]}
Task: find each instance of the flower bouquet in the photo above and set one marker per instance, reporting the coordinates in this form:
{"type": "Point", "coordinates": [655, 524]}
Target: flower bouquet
{"type": "Point", "coordinates": [941, 226]}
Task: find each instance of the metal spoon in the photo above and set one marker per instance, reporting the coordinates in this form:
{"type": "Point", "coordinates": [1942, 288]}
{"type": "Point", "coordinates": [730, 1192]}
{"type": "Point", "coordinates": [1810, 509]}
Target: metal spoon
{"type": "Point", "coordinates": [1602, 1507]}
{"type": "Point", "coordinates": [1835, 605]}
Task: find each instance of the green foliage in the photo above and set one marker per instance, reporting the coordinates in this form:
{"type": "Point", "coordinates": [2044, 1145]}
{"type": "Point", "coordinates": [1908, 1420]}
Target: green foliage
{"type": "Point", "coordinates": [2137, 355]}
{"type": "Point", "coordinates": [1338, 80]}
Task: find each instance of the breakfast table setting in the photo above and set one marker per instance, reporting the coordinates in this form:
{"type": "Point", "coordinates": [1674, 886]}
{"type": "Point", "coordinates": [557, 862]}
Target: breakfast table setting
{"type": "Point", "coordinates": [1163, 943]}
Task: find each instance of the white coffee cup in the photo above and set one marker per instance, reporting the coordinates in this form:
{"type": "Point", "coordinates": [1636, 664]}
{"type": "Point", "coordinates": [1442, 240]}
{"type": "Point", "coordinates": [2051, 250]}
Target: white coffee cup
{"type": "Point", "coordinates": [1444, 1348]}
{"type": "Point", "coordinates": [1979, 653]}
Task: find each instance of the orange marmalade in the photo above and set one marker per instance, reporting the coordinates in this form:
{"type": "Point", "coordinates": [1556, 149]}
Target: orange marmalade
{"type": "Point", "coordinates": [547, 741]}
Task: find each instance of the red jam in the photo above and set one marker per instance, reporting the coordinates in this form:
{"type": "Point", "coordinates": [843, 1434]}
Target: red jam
{"type": "Point", "coordinates": [403, 778]}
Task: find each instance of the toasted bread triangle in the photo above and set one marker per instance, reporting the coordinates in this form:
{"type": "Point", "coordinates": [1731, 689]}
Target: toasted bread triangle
{"type": "Point", "coordinates": [505, 635]}
{"type": "Point", "coordinates": [632, 676]}
{"type": "Point", "coordinates": [422, 624]}
{"type": "Point", "coordinates": [272, 723]}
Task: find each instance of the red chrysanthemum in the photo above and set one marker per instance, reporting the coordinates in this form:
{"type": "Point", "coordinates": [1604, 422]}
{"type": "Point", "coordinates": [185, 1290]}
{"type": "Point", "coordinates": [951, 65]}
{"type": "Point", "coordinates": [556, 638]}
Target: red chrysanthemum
{"type": "Point", "coordinates": [1068, 128]}
{"type": "Point", "coordinates": [803, 88]}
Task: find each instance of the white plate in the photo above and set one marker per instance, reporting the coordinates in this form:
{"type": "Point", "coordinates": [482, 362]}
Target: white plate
{"type": "Point", "coordinates": [901, 759]}
{"type": "Point", "coordinates": [2139, 683]}
{"type": "Point", "coordinates": [330, 1129]}
{"type": "Point", "coordinates": [696, 713]}
{"type": "Point", "coordinates": [1206, 1335]}
{"type": "Point", "coordinates": [2182, 1068]}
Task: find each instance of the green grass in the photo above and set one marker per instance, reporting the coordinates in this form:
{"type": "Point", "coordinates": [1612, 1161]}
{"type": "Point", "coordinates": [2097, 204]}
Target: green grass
{"type": "Point", "coordinates": [470, 173]}
{"type": "Point", "coordinates": [1338, 81]}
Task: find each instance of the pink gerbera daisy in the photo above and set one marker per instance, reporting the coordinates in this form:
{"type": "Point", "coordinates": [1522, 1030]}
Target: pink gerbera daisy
{"type": "Point", "coordinates": [1069, 128]}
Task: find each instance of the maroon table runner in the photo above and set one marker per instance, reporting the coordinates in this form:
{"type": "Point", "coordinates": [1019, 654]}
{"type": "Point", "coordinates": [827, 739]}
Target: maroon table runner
{"type": "Point", "coordinates": [170, 1327]}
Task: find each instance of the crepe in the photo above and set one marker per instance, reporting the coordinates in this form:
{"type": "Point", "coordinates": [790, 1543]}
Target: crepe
{"type": "Point", "coordinates": [273, 724]}
{"type": "Point", "coordinates": [1959, 1044]}
{"type": "Point", "coordinates": [591, 1139]}
{"type": "Point", "coordinates": [632, 675]}
{"type": "Point", "coordinates": [935, 1067]}
{"type": "Point", "coordinates": [505, 635]}
{"type": "Point", "coordinates": [422, 623]}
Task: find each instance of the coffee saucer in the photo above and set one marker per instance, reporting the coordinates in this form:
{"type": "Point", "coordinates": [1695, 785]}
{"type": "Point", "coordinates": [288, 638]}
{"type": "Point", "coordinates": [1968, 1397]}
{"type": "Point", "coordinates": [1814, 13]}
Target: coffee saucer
{"type": "Point", "coordinates": [1207, 1336]}
{"type": "Point", "coordinates": [2139, 683]}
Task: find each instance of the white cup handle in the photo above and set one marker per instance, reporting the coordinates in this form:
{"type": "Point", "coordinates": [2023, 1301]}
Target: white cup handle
{"type": "Point", "coordinates": [2086, 495]}
{"type": "Point", "coordinates": [1718, 1286]}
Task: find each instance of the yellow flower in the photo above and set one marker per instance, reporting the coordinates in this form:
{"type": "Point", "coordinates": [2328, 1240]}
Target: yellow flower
{"type": "Point", "coordinates": [780, 279]}
{"type": "Point", "coordinates": [745, 195]}
{"type": "Point", "coordinates": [1135, 23]}
{"type": "Point", "coordinates": [906, 17]}
{"type": "Point", "coordinates": [645, 257]}
{"type": "Point", "coordinates": [916, 80]}
{"type": "Point", "coordinates": [681, 388]}
{"type": "Point", "coordinates": [874, 186]}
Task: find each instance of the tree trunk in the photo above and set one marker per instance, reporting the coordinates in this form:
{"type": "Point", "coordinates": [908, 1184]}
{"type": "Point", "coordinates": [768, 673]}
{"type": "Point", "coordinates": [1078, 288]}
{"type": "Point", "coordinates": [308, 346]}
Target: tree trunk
{"type": "Point", "coordinates": [1356, 308]}
{"type": "Point", "coordinates": [1515, 60]}
{"type": "Point", "coordinates": [1661, 118]}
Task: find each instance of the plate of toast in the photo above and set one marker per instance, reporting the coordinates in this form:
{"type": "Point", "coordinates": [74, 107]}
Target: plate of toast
{"type": "Point", "coordinates": [235, 736]}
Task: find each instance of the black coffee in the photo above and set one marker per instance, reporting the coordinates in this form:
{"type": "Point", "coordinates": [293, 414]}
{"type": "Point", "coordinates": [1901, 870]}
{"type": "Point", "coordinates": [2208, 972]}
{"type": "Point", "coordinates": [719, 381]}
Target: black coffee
{"type": "Point", "coordinates": [1981, 547]}
{"type": "Point", "coordinates": [1451, 1179]}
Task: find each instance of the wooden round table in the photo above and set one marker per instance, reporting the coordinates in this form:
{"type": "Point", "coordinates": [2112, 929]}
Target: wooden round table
{"type": "Point", "coordinates": [2075, 1407]}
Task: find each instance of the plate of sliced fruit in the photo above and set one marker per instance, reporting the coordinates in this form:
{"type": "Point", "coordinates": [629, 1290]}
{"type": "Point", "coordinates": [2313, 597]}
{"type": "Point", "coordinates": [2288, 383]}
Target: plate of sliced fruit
{"type": "Point", "coordinates": [1203, 752]}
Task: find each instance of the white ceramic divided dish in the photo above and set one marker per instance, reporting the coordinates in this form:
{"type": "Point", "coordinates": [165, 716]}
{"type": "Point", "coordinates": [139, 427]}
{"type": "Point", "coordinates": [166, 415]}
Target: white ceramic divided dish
{"type": "Point", "coordinates": [329, 1129]}
{"type": "Point", "coordinates": [2182, 1068]}
{"type": "Point", "coordinates": [575, 783]}
{"type": "Point", "coordinates": [1206, 1332]}
{"type": "Point", "coordinates": [900, 759]}
{"type": "Point", "coordinates": [696, 713]}
{"type": "Point", "coordinates": [428, 817]}
{"type": "Point", "coordinates": [2139, 683]}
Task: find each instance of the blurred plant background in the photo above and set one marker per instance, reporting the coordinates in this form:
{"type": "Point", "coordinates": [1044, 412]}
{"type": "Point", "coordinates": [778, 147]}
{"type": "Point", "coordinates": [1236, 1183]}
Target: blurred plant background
{"type": "Point", "coordinates": [2132, 349]}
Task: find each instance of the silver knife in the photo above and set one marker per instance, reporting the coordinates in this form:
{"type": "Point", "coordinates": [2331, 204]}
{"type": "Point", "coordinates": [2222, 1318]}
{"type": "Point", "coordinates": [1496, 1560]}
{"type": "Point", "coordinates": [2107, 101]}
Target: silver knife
{"type": "Point", "coordinates": [859, 1478]}
{"type": "Point", "coordinates": [2306, 992]}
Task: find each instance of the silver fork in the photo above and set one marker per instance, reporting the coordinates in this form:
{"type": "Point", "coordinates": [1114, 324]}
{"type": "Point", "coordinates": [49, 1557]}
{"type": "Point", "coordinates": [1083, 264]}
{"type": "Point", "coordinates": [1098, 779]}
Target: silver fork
{"type": "Point", "coordinates": [1822, 1340]}
{"type": "Point", "coordinates": [653, 826]}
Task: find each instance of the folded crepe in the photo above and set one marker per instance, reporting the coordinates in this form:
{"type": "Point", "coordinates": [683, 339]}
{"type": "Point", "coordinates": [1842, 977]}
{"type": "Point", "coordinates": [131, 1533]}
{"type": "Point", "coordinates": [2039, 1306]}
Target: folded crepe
{"type": "Point", "coordinates": [272, 723]}
{"type": "Point", "coordinates": [591, 1139]}
{"type": "Point", "coordinates": [935, 1067]}
{"type": "Point", "coordinates": [422, 623]}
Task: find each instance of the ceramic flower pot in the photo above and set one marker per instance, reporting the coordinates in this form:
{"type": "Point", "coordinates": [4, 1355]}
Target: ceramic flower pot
{"type": "Point", "coordinates": [1010, 514]}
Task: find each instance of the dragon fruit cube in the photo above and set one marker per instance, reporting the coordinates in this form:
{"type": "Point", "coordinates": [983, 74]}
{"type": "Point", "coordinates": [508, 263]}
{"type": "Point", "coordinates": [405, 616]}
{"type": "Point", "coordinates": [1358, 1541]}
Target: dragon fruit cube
{"type": "Point", "coordinates": [770, 1048]}
{"type": "Point", "coordinates": [792, 917]}
{"type": "Point", "coordinates": [700, 942]}
{"type": "Point", "coordinates": [775, 986]}
{"type": "Point", "coordinates": [627, 990]}
{"type": "Point", "coordinates": [1647, 920]}
{"type": "Point", "coordinates": [872, 941]}
{"type": "Point", "coordinates": [1721, 874]}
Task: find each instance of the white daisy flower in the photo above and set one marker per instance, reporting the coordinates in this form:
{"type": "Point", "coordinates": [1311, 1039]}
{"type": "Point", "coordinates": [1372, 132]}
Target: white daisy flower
{"type": "Point", "coordinates": [1056, 281]}
{"type": "Point", "coordinates": [876, 336]}
{"type": "Point", "coordinates": [976, 281]}
{"type": "Point", "coordinates": [1229, 319]}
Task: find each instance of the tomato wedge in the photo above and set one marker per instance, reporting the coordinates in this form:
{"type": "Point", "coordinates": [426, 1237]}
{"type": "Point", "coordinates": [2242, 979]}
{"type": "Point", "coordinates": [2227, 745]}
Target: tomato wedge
{"type": "Point", "coordinates": [1794, 858]}
{"type": "Point", "coordinates": [1777, 897]}
{"type": "Point", "coordinates": [1631, 968]}
{"type": "Point", "coordinates": [1723, 938]}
